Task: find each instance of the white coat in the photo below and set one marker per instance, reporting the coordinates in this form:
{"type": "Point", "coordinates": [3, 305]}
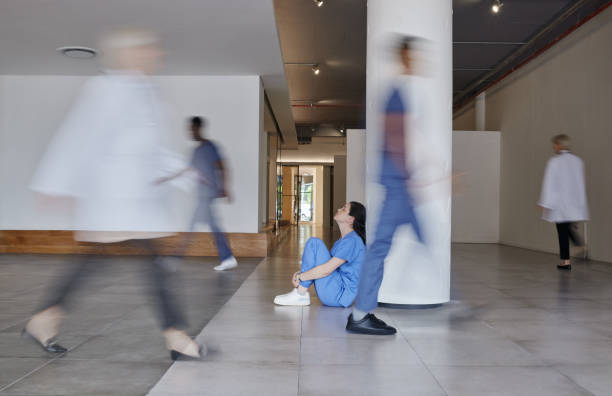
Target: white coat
{"type": "Point", "coordinates": [563, 194]}
{"type": "Point", "coordinates": [107, 155]}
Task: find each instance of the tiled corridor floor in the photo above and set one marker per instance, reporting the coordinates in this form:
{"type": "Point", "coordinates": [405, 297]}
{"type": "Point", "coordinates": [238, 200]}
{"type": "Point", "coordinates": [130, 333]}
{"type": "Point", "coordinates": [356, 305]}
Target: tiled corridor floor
{"type": "Point", "coordinates": [515, 326]}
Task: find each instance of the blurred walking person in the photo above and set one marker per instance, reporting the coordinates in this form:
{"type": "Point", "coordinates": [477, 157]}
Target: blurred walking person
{"type": "Point", "coordinates": [398, 207]}
{"type": "Point", "coordinates": [563, 199]}
{"type": "Point", "coordinates": [106, 157]}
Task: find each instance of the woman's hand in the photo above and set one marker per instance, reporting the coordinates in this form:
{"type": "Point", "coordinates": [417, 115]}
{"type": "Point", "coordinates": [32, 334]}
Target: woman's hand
{"type": "Point", "coordinates": [295, 279]}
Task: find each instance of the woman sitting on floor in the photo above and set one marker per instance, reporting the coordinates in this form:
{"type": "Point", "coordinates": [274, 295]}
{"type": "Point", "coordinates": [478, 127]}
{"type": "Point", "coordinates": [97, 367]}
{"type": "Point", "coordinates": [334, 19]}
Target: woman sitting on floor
{"type": "Point", "coordinates": [336, 274]}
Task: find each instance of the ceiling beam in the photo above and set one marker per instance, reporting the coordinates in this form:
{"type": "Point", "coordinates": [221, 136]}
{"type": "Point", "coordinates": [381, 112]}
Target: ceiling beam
{"type": "Point", "coordinates": [477, 84]}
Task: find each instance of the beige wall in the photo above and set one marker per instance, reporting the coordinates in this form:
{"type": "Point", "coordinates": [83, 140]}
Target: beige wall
{"type": "Point", "coordinates": [568, 90]}
{"type": "Point", "coordinates": [319, 182]}
{"type": "Point", "coordinates": [272, 141]}
{"type": "Point", "coordinates": [327, 195]}
{"type": "Point", "coordinates": [339, 183]}
{"type": "Point", "coordinates": [465, 119]}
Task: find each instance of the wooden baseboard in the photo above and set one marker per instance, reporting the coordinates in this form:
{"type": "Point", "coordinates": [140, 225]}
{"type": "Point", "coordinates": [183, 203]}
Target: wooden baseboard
{"type": "Point", "coordinates": [62, 242]}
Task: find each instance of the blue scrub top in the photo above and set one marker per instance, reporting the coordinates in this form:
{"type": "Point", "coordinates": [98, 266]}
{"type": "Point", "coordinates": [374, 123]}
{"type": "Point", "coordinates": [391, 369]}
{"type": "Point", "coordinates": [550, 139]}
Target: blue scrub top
{"type": "Point", "coordinates": [390, 175]}
{"type": "Point", "coordinates": [351, 249]}
{"type": "Point", "coordinates": [205, 158]}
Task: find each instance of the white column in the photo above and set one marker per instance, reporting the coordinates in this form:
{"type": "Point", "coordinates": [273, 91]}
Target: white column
{"type": "Point", "coordinates": [415, 273]}
{"type": "Point", "coordinates": [480, 112]}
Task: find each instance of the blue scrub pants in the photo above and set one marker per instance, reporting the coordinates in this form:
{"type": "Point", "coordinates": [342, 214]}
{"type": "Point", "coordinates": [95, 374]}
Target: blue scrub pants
{"type": "Point", "coordinates": [204, 214]}
{"type": "Point", "coordinates": [397, 210]}
{"type": "Point", "coordinates": [330, 288]}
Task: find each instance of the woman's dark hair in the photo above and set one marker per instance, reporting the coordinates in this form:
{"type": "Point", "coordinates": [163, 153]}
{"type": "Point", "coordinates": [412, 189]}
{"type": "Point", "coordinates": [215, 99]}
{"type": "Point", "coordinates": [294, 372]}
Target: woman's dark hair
{"type": "Point", "coordinates": [358, 211]}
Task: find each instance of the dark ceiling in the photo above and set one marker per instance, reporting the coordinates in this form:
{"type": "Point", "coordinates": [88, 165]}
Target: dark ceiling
{"type": "Point", "coordinates": [486, 46]}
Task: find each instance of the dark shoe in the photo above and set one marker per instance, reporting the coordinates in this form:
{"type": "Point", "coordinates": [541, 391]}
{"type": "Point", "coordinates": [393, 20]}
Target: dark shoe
{"type": "Point", "coordinates": [564, 267]}
{"type": "Point", "coordinates": [50, 346]}
{"type": "Point", "coordinates": [370, 324]}
{"type": "Point", "coordinates": [176, 355]}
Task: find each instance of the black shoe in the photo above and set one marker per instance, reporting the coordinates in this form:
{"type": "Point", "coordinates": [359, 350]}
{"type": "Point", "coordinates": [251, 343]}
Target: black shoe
{"type": "Point", "coordinates": [564, 267]}
{"type": "Point", "coordinates": [176, 355]}
{"type": "Point", "coordinates": [50, 346]}
{"type": "Point", "coordinates": [370, 324]}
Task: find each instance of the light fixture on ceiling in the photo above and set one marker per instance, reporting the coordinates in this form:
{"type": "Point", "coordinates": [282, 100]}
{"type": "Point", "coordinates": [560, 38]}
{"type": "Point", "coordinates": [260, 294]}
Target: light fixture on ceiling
{"type": "Point", "coordinates": [314, 66]}
{"type": "Point", "coordinates": [319, 3]}
{"type": "Point", "coordinates": [496, 6]}
{"type": "Point", "coordinates": [77, 52]}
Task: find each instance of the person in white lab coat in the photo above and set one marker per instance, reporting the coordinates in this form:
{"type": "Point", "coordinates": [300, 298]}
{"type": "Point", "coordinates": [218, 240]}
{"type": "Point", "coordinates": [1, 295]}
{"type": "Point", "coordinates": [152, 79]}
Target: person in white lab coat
{"type": "Point", "coordinates": [563, 199]}
{"type": "Point", "coordinates": [107, 157]}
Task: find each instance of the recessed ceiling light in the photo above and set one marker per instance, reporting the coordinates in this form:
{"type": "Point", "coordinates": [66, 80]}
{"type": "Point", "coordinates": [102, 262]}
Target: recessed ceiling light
{"type": "Point", "coordinates": [496, 7]}
{"type": "Point", "coordinates": [78, 52]}
{"type": "Point", "coordinates": [319, 3]}
{"type": "Point", "coordinates": [316, 70]}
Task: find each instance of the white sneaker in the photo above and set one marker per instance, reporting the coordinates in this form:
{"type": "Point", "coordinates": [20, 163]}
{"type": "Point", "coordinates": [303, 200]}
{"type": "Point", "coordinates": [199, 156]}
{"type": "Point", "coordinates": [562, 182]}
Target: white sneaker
{"type": "Point", "coordinates": [292, 298]}
{"type": "Point", "coordinates": [226, 264]}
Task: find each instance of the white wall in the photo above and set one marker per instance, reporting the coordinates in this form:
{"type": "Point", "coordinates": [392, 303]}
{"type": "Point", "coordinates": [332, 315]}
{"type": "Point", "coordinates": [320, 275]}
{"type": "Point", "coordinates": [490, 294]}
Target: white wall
{"type": "Point", "coordinates": [565, 90]}
{"type": "Point", "coordinates": [475, 211]}
{"type": "Point", "coordinates": [355, 165]}
{"type": "Point", "coordinates": [33, 107]}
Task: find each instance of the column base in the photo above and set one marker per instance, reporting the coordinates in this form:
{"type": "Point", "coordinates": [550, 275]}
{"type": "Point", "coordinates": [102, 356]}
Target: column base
{"type": "Point", "coordinates": [409, 306]}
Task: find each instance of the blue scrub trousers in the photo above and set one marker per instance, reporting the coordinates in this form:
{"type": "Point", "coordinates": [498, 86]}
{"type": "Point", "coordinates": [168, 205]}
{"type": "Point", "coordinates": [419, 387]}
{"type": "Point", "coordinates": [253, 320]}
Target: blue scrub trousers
{"type": "Point", "coordinates": [397, 210]}
{"type": "Point", "coordinates": [330, 288]}
{"type": "Point", "coordinates": [204, 214]}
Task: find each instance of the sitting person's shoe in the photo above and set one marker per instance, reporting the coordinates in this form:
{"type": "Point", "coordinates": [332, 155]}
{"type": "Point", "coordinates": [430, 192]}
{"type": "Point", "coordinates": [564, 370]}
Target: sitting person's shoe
{"type": "Point", "coordinates": [227, 264]}
{"type": "Point", "coordinates": [293, 298]}
{"type": "Point", "coordinates": [370, 324]}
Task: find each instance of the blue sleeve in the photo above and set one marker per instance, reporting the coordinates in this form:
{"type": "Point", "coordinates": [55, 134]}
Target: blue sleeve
{"type": "Point", "coordinates": [216, 156]}
{"type": "Point", "coordinates": [345, 249]}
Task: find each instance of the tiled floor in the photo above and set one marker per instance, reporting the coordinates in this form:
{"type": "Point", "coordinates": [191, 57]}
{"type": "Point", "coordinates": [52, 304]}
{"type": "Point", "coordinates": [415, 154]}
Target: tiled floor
{"type": "Point", "coordinates": [515, 326]}
{"type": "Point", "coordinates": [115, 344]}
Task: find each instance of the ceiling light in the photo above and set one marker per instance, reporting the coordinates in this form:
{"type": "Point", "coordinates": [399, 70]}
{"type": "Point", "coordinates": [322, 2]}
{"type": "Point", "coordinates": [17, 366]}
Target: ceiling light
{"type": "Point", "coordinates": [316, 70]}
{"type": "Point", "coordinates": [77, 52]}
{"type": "Point", "coordinates": [496, 7]}
{"type": "Point", "coordinates": [319, 3]}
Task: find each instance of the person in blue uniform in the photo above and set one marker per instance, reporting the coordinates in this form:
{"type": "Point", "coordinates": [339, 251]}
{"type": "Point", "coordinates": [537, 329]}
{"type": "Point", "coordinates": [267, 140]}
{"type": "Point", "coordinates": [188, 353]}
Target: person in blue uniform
{"type": "Point", "coordinates": [335, 274]}
{"type": "Point", "coordinates": [398, 205]}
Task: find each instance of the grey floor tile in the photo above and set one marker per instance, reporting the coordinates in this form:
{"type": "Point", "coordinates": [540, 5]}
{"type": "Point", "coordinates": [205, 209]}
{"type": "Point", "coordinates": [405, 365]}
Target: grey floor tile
{"type": "Point", "coordinates": [228, 379]}
{"type": "Point", "coordinates": [571, 351]}
{"type": "Point", "coordinates": [596, 379]}
{"type": "Point", "coordinates": [551, 330]}
{"type": "Point", "coordinates": [15, 368]}
{"type": "Point", "coordinates": [266, 350]}
{"type": "Point", "coordinates": [389, 380]}
{"type": "Point", "coordinates": [358, 351]}
{"type": "Point", "coordinates": [505, 381]}
{"type": "Point", "coordinates": [472, 352]}
{"type": "Point", "coordinates": [89, 377]}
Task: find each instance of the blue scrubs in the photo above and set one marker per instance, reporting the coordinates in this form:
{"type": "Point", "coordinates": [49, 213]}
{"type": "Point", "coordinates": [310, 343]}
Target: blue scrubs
{"type": "Point", "coordinates": [339, 288]}
{"type": "Point", "coordinates": [397, 209]}
{"type": "Point", "coordinates": [204, 160]}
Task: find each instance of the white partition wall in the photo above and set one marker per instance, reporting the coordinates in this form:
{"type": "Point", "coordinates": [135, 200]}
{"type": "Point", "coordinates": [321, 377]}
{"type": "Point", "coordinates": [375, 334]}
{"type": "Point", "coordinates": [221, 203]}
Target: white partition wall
{"type": "Point", "coordinates": [415, 273]}
{"type": "Point", "coordinates": [476, 165]}
{"type": "Point", "coordinates": [28, 120]}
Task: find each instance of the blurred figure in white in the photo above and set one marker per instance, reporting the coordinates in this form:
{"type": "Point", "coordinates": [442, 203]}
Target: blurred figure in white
{"type": "Point", "coordinates": [106, 157]}
{"type": "Point", "coordinates": [563, 199]}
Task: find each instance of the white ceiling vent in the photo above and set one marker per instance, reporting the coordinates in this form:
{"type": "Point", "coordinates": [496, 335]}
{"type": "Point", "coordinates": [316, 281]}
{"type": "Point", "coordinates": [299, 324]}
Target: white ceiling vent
{"type": "Point", "coordinates": [78, 52]}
